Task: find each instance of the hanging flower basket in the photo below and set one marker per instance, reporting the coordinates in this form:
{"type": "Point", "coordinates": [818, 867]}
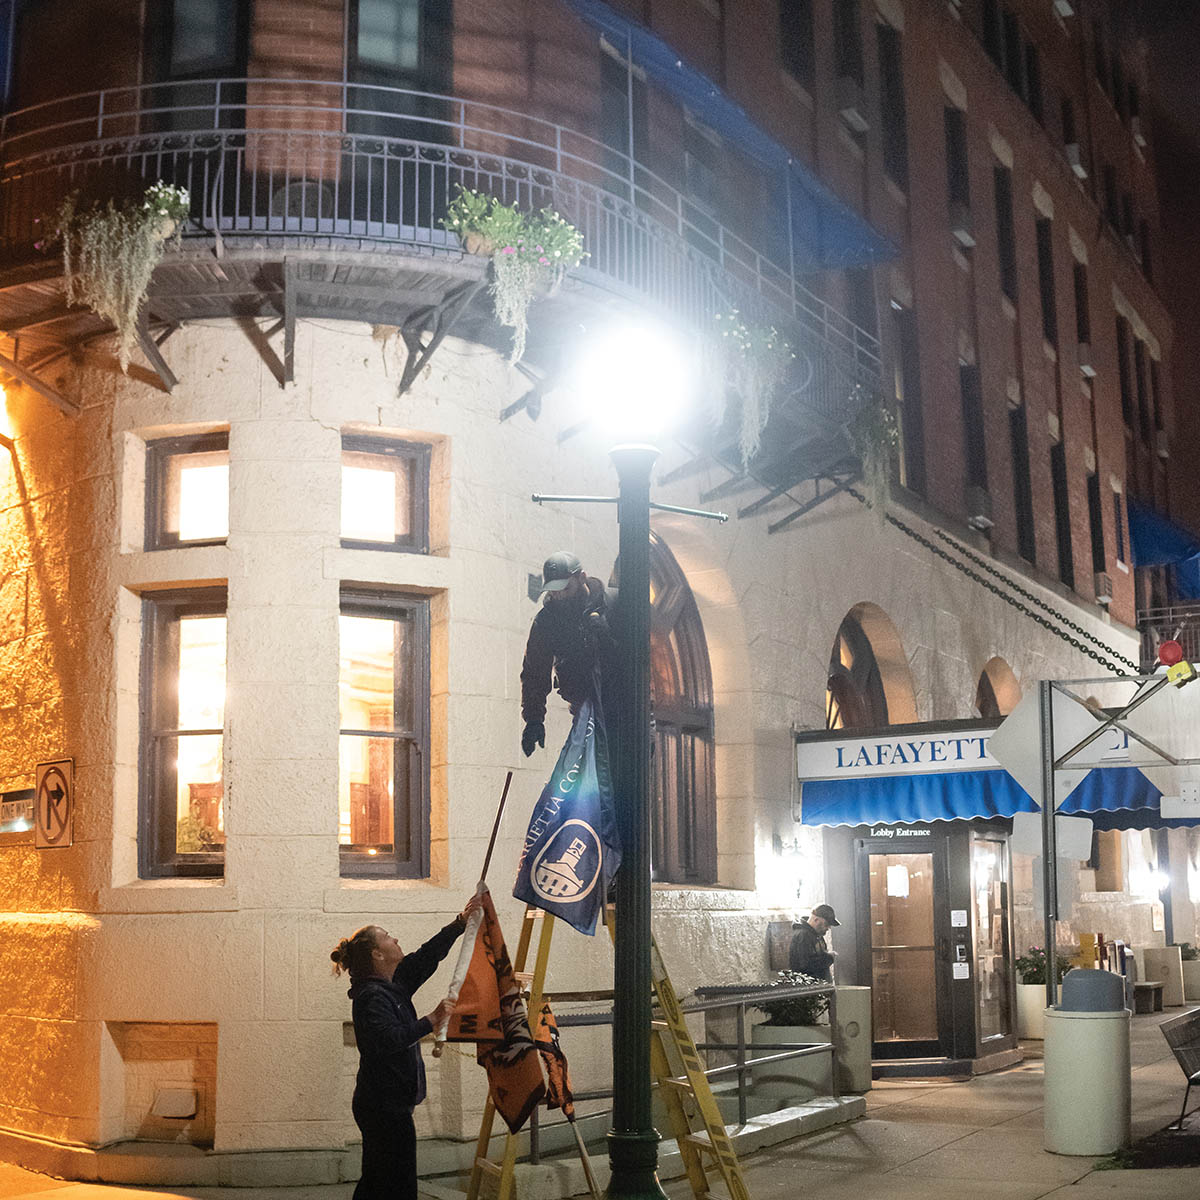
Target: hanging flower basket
{"type": "Point", "coordinates": [109, 254]}
{"type": "Point", "coordinates": [874, 438]}
{"type": "Point", "coordinates": [530, 253]}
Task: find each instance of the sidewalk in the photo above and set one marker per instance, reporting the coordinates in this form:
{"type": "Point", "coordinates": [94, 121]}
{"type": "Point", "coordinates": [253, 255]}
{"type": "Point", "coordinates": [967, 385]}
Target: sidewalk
{"type": "Point", "coordinates": [919, 1141]}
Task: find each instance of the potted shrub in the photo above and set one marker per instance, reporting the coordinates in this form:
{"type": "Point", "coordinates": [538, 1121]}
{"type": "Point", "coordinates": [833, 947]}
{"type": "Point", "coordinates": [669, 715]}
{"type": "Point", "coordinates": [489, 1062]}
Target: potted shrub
{"type": "Point", "coordinates": [1031, 990]}
{"type": "Point", "coordinates": [792, 1019]}
{"type": "Point", "coordinates": [109, 254]}
{"type": "Point", "coordinates": [530, 252]}
{"type": "Point", "coordinates": [1191, 970]}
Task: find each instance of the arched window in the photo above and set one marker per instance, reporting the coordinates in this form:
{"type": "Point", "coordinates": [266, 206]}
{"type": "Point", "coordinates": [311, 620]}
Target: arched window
{"type": "Point", "coordinates": [683, 815]}
{"type": "Point", "coordinates": [998, 691]}
{"type": "Point", "coordinates": [868, 684]}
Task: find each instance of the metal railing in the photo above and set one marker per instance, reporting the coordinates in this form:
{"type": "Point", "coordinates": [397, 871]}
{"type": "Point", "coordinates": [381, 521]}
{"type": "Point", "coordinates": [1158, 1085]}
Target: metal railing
{"type": "Point", "coordinates": [274, 159]}
{"type": "Point", "coordinates": [1178, 622]}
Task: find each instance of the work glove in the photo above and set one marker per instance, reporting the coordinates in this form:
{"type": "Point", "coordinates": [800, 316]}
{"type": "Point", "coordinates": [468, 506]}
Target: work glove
{"type": "Point", "coordinates": [534, 735]}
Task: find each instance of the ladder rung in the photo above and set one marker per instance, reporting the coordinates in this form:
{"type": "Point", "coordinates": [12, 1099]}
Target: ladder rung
{"type": "Point", "coordinates": [682, 1082]}
{"type": "Point", "coordinates": [523, 976]}
{"type": "Point", "coordinates": [701, 1141]}
{"type": "Point", "coordinates": [661, 1026]}
{"type": "Point", "coordinates": [488, 1167]}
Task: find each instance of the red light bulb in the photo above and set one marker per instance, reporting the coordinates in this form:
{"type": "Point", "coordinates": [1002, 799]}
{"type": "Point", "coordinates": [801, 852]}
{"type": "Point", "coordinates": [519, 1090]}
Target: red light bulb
{"type": "Point", "coordinates": [1169, 653]}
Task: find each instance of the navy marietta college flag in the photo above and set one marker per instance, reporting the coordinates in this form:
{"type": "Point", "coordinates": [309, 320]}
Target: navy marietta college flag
{"type": "Point", "coordinates": [571, 850]}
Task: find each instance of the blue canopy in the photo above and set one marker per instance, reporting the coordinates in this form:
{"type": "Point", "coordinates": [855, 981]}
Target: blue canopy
{"type": "Point", "coordinates": [829, 231]}
{"type": "Point", "coordinates": [1157, 541]}
{"type": "Point", "coordinates": [1113, 797]}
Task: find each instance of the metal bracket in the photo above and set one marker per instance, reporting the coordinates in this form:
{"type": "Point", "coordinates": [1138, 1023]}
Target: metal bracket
{"type": "Point", "coordinates": [443, 315]}
{"type": "Point", "coordinates": [150, 350]}
{"type": "Point", "coordinates": [539, 498]}
{"type": "Point", "coordinates": [43, 389]}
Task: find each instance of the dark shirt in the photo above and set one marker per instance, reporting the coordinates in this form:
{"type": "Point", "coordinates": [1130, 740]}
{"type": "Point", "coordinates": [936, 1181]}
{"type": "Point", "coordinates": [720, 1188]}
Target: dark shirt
{"type": "Point", "coordinates": [569, 639]}
{"type": "Point", "coordinates": [808, 952]}
{"type": "Point", "coordinates": [391, 1075]}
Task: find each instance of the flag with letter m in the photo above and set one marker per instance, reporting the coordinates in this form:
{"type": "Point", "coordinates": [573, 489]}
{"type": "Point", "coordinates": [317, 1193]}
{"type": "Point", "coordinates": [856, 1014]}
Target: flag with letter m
{"type": "Point", "coordinates": [571, 849]}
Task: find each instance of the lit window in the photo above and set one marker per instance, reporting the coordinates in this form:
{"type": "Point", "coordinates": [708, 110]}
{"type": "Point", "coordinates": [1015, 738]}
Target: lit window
{"type": "Point", "coordinates": [187, 491]}
{"type": "Point", "coordinates": [183, 718]}
{"type": "Point", "coordinates": [383, 748]}
{"type": "Point", "coordinates": [389, 34]}
{"type": "Point", "coordinates": [384, 494]}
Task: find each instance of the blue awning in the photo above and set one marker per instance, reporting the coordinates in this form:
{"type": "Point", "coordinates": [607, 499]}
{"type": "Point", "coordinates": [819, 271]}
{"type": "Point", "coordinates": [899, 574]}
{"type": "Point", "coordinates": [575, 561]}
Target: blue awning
{"type": "Point", "coordinates": [1157, 541]}
{"type": "Point", "coordinates": [1113, 797]}
{"type": "Point", "coordinates": [830, 232]}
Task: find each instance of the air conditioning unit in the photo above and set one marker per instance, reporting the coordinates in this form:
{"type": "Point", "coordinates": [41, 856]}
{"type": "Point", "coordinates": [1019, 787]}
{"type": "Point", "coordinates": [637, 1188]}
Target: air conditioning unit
{"type": "Point", "coordinates": [1086, 366]}
{"type": "Point", "coordinates": [960, 224]}
{"type": "Point", "coordinates": [979, 507]}
{"type": "Point", "coordinates": [1135, 128]}
{"type": "Point", "coordinates": [851, 105]}
{"type": "Point", "coordinates": [1075, 159]}
{"type": "Point", "coordinates": [1103, 588]}
{"type": "Point", "coordinates": [1064, 8]}
{"type": "Point", "coordinates": [1162, 444]}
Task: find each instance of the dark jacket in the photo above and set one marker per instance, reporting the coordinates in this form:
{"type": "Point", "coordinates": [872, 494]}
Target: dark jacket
{"type": "Point", "coordinates": [569, 639]}
{"type": "Point", "coordinates": [808, 952]}
{"type": "Point", "coordinates": [391, 1075]}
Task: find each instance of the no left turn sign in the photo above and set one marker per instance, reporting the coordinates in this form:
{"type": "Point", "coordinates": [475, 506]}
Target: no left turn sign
{"type": "Point", "coordinates": [54, 804]}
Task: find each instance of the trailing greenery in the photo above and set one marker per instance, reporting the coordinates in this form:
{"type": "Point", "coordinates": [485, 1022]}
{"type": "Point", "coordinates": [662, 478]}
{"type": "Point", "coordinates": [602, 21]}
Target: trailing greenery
{"type": "Point", "coordinates": [874, 438]}
{"type": "Point", "coordinates": [528, 251]}
{"type": "Point", "coordinates": [109, 254]}
{"type": "Point", "coordinates": [795, 1010]}
{"type": "Point", "coordinates": [1031, 967]}
{"type": "Point", "coordinates": [1188, 952]}
{"type": "Point", "coordinates": [754, 361]}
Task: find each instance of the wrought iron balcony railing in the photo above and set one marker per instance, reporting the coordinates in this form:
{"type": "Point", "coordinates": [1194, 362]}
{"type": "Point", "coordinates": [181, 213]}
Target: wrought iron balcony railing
{"type": "Point", "coordinates": [271, 161]}
{"type": "Point", "coordinates": [1178, 622]}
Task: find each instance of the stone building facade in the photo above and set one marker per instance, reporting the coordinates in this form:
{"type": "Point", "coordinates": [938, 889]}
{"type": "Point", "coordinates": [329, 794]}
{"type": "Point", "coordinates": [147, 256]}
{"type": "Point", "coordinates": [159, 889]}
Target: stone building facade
{"type": "Point", "coordinates": [289, 712]}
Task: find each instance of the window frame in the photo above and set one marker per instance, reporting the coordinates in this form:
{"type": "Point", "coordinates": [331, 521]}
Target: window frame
{"type": "Point", "coordinates": [158, 452]}
{"type": "Point", "coordinates": [159, 608]}
{"type": "Point", "coordinates": [797, 42]}
{"type": "Point", "coordinates": [893, 103]}
{"type": "Point", "coordinates": [418, 454]}
{"type": "Point", "coordinates": [391, 605]}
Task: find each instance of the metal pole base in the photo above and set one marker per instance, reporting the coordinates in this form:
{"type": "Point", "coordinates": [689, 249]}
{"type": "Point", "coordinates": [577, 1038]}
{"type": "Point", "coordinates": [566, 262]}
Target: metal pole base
{"type": "Point", "coordinates": [633, 1156]}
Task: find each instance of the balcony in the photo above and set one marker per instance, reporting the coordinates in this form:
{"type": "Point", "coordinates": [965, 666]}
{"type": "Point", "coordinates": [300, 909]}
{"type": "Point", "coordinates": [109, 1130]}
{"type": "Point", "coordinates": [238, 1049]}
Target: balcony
{"type": "Point", "coordinates": [1178, 622]}
{"type": "Point", "coordinates": [315, 199]}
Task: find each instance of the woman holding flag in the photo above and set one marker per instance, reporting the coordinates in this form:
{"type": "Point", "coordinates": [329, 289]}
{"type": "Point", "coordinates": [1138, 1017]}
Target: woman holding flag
{"type": "Point", "coordinates": [391, 1075]}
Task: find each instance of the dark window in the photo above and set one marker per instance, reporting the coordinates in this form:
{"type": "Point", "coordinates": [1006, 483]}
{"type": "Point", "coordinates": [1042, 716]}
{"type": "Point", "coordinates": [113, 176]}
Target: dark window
{"type": "Point", "coordinates": [198, 39]}
{"type": "Point", "coordinates": [1119, 525]}
{"type": "Point", "coordinates": [1133, 97]}
{"type": "Point", "coordinates": [1045, 256]}
{"type": "Point", "coordinates": [1118, 87]}
{"type": "Point", "coordinates": [796, 40]}
{"type": "Point", "coordinates": [1096, 524]}
{"type": "Point", "coordinates": [181, 753]}
{"type": "Point", "coordinates": [1033, 83]}
{"type": "Point", "coordinates": [958, 183]}
{"type": "Point", "coordinates": [1100, 58]}
{"type": "Point", "coordinates": [1022, 486]}
{"type": "Point", "coordinates": [683, 814]}
{"type": "Point", "coordinates": [1069, 136]}
{"type": "Point", "coordinates": [860, 289]}
{"type": "Point", "coordinates": [1142, 384]}
{"type": "Point", "coordinates": [385, 494]}
{"type": "Point", "coordinates": [1124, 371]}
{"type": "Point", "coordinates": [908, 401]}
{"type": "Point", "coordinates": [854, 693]}
{"type": "Point", "coordinates": [614, 122]}
{"type": "Point", "coordinates": [1014, 66]}
{"type": "Point", "coordinates": [1127, 214]}
{"type": "Point", "coordinates": [1112, 210]}
{"type": "Point", "coordinates": [702, 159]}
{"type": "Point", "coordinates": [993, 36]}
{"type": "Point", "coordinates": [383, 774]}
{"type": "Point", "coordinates": [974, 440]}
{"type": "Point", "coordinates": [1062, 514]}
{"type": "Point", "coordinates": [1083, 320]}
{"type": "Point", "coordinates": [7, 54]}
{"type": "Point", "coordinates": [1146, 247]}
{"type": "Point", "coordinates": [187, 491]}
{"type": "Point", "coordinates": [1005, 231]}
{"type": "Point", "coordinates": [847, 40]}
{"type": "Point", "coordinates": [1155, 394]}
{"type": "Point", "coordinates": [895, 120]}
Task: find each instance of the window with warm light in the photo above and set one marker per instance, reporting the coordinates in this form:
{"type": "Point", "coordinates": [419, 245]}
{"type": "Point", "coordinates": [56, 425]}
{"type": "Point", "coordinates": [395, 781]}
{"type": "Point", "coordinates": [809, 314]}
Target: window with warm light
{"type": "Point", "coordinates": [385, 490]}
{"type": "Point", "coordinates": [383, 696]}
{"type": "Point", "coordinates": [187, 491]}
{"type": "Point", "coordinates": [182, 826]}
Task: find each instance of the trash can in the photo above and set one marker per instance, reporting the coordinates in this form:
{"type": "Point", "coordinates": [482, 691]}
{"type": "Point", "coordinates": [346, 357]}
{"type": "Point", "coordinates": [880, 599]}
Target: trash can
{"type": "Point", "coordinates": [1087, 1085]}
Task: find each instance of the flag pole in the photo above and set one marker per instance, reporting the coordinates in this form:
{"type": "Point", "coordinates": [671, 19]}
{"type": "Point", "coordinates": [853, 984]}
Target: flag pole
{"type": "Point", "coordinates": [467, 949]}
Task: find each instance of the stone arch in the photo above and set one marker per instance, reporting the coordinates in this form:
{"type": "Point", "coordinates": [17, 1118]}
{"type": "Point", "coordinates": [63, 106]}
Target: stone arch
{"type": "Point", "coordinates": [998, 691]}
{"type": "Point", "coordinates": [869, 682]}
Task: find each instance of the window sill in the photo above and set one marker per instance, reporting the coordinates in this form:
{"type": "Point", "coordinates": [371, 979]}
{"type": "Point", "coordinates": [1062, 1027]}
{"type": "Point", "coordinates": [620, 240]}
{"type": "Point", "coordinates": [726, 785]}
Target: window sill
{"type": "Point", "coordinates": [797, 89]}
{"type": "Point", "coordinates": [170, 895]}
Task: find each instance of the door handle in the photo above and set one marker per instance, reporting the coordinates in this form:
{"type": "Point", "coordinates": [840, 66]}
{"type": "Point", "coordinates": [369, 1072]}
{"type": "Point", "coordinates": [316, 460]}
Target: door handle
{"type": "Point", "coordinates": [944, 949]}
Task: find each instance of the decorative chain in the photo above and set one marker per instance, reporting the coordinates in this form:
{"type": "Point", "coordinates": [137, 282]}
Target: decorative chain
{"type": "Point", "coordinates": [1016, 587]}
{"type": "Point", "coordinates": [938, 552]}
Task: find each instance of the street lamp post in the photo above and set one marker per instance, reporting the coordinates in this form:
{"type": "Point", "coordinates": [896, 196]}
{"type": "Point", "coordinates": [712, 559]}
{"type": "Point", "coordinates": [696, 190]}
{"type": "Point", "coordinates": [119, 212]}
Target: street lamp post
{"type": "Point", "coordinates": [633, 1141]}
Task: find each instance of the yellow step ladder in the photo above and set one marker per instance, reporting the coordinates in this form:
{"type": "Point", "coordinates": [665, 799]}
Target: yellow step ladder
{"type": "Point", "coordinates": [692, 1114]}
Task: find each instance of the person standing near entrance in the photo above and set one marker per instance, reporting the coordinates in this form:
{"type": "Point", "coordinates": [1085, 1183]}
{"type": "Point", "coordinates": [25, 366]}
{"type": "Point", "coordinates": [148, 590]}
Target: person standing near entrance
{"type": "Point", "coordinates": [808, 952]}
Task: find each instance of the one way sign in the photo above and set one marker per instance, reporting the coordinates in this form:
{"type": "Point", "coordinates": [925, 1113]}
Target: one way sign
{"type": "Point", "coordinates": [54, 804]}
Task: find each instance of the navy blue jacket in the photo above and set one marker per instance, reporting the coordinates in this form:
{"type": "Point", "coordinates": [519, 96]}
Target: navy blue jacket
{"type": "Point", "coordinates": [391, 1075]}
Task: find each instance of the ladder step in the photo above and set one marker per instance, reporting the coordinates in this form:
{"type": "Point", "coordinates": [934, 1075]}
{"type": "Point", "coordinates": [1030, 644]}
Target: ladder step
{"type": "Point", "coordinates": [661, 1026]}
{"type": "Point", "coordinates": [488, 1167]}
{"type": "Point", "coordinates": [700, 1141]}
{"type": "Point", "coordinates": [682, 1082]}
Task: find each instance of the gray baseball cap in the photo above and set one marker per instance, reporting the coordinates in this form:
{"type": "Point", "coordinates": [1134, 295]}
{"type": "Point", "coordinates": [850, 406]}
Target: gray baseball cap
{"type": "Point", "coordinates": [826, 914]}
{"type": "Point", "coordinates": [557, 571]}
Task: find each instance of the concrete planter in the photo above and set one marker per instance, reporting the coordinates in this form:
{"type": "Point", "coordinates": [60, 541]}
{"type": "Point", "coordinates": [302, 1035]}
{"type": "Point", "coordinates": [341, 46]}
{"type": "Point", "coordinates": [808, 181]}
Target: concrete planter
{"type": "Point", "coordinates": [1165, 964]}
{"type": "Point", "coordinates": [795, 1079]}
{"type": "Point", "coordinates": [1191, 980]}
{"type": "Point", "coordinates": [1031, 1007]}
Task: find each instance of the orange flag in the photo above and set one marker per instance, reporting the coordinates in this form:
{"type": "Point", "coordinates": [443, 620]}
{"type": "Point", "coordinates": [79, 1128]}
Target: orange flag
{"type": "Point", "coordinates": [491, 1012]}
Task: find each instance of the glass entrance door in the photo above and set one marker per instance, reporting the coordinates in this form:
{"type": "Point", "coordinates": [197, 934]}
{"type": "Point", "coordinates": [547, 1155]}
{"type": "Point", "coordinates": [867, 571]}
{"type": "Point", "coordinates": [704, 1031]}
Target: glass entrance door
{"type": "Point", "coordinates": [903, 958]}
{"type": "Point", "coordinates": [989, 887]}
